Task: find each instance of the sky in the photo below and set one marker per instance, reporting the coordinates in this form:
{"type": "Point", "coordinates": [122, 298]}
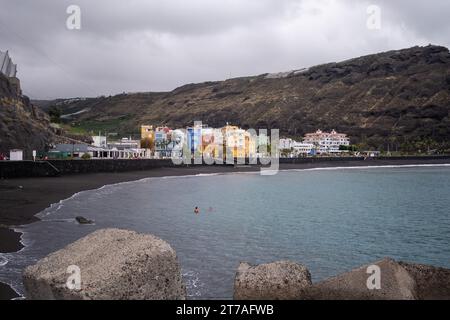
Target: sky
{"type": "Point", "coordinates": [158, 45]}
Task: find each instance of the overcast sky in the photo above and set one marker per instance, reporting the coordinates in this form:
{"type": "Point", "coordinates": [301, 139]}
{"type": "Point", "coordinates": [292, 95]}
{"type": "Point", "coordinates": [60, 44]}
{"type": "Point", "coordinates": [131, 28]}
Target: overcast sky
{"type": "Point", "coordinates": [157, 45]}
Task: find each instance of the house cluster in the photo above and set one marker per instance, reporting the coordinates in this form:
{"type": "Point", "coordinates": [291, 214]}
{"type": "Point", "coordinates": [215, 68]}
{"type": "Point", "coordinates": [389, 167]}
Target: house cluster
{"type": "Point", "coordinates": [164, 142]}
{"type": "Point", "coordinates": [317, 143]}
{"type": "Point", "coordinates": [201, 140]}
{"type": "Point", "coordinates": [198, 140]}
{"type": "Point", "coordinates": [126, 148]}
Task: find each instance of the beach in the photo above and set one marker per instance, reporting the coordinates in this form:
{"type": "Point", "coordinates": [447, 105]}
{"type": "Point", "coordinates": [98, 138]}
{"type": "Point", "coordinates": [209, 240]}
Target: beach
{"type": "Point", "coordinates": [21, 199]}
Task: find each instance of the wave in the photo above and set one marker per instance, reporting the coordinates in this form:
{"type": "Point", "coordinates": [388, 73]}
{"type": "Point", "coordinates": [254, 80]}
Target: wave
{"type": "Point", "coordinates": [22, 241]}
{"type": "Point", "coordinates": [193, 283]}
{"type": "Point", "coordinates": [20, 294]}
{"type": "Point", "coordinates": [54, 207]}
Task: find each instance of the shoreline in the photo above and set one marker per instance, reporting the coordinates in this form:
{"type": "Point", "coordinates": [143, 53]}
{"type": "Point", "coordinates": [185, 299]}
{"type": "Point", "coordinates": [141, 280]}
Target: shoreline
{"type": "Point", "coordinates": [23, 198]}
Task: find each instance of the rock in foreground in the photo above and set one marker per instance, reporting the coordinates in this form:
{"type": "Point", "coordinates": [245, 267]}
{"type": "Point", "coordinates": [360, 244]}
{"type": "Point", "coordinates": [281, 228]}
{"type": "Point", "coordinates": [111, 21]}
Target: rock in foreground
{"type": "Point", "coordinates": [113, 264]}
{"type": "Point", "coordinates": [282, 280]}
{"type": "Point", "coordinates": [398, 281]}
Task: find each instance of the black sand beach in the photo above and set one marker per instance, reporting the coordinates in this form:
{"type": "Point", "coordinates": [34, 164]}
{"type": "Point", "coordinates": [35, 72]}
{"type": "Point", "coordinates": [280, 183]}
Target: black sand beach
{"type": "Point", "coordinates": [21, 199]}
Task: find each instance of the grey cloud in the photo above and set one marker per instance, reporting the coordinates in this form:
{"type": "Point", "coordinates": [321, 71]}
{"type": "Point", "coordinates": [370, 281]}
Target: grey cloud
{"type": "Point", "coordinates": [155, 45]}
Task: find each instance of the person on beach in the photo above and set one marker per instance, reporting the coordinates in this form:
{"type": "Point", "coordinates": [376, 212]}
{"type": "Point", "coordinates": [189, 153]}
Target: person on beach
{"type": "Point", "coordinates": [196, 210]}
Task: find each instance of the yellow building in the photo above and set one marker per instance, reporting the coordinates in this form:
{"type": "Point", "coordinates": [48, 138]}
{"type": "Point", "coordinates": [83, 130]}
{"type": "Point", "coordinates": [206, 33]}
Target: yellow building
{"type": "Point", "coordinates": [147, 132]}
{"type": "Point", "coordinates": [238, 141]}
{"type": "Point", "coordinates": [148, 137]}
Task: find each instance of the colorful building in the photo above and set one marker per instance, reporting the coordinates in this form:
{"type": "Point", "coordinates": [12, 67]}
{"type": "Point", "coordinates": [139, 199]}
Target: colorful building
{"type": "Point", "coordinates": [201, 140]}
{"type": "Point", "coordinates": [147, 132]}
{"type": "Point", "coordinates": [239, 142]}
{"type": "Point", "coordinates": [163, 138]}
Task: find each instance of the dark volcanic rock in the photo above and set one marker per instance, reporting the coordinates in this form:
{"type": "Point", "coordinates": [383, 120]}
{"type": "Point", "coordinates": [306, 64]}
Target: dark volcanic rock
{"type": "Point", "coordinates": [83, 220]}
{"type": "Point", "coordinates": [22, 125]}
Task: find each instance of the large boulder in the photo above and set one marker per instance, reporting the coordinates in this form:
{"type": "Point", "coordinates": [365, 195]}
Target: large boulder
{"type": "Point", "coordinates": [113, 264]}
{"type": "Point", "coordinates": [398, 281]}
{"type": "Point", "coordinates": [283, 280]}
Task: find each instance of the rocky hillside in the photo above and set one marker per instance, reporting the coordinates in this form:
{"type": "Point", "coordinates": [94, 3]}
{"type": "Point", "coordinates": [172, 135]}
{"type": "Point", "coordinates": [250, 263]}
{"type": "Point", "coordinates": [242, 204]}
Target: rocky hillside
{"type": "Point", "coordinates": [22, 125]}
{"type": "Point", "coordinates": [397, 100]}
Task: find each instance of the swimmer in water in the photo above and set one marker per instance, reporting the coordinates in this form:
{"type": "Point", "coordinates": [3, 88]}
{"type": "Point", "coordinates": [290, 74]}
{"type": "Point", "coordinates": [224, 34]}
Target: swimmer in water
{"type": "Point", "coordinates": [196, 210]}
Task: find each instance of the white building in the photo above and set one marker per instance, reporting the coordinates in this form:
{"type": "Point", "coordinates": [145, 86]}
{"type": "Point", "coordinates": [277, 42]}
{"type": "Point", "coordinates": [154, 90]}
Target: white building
{"type": "Point", "coordinates": [286, 144]}
{"type": "Point", "coordinates": [325, 142]}
{"type": "Point", "coordinates": [16, 155]}
{"type": "Point", "coordinates": [295, 148]}
{"type": "Point", "coordinates": [303, 149]}
{"type": "Point", "coordinates": [77, 151]}
{"type": "Point", "coordinates": [125, 143]}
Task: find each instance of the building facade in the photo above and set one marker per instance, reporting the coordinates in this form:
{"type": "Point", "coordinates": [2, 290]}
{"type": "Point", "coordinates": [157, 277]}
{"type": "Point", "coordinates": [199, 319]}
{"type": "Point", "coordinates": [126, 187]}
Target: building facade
{"type": "Point", "coordinates": [239, 142]}
{"type": "Point", "coordinates": [99, 141]}
{"type": "Point", "coordinates": [163, 139]}
{"type": "Point", "coordinates": [303, 149]}
{"type": "Point", "coordinates": [147, 132]}
{"type": "Point", "coordinates": [327, 142]}
{"type": "Point", "coordinates": [201, 140]}
{"type": "Point", "coordinates": [114, 150]}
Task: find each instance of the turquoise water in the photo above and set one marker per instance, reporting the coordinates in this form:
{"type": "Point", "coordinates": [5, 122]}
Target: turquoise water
{"type": "Point", "coordinates": [329, 220]}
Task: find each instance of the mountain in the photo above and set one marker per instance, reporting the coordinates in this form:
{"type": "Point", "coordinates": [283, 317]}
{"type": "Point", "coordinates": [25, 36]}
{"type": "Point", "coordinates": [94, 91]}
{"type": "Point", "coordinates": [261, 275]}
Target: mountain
{"type": "Point", "coordinates": [23, 125]}
{"type": "Point", "coordinates": [397, 99]}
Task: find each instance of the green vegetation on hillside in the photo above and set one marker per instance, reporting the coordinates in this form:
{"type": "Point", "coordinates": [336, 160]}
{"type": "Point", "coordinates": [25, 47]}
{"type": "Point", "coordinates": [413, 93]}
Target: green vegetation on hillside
{"type": "Point", "coordinates": [93, 127]}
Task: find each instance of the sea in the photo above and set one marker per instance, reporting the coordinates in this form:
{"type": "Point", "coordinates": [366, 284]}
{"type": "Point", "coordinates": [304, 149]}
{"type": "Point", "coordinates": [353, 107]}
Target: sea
{"type": "Point", "coordinates": [331, 220]}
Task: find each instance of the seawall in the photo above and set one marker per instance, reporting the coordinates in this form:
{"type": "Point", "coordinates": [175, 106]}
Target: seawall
{"type": "Point", "coordinates": [50, 168]}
